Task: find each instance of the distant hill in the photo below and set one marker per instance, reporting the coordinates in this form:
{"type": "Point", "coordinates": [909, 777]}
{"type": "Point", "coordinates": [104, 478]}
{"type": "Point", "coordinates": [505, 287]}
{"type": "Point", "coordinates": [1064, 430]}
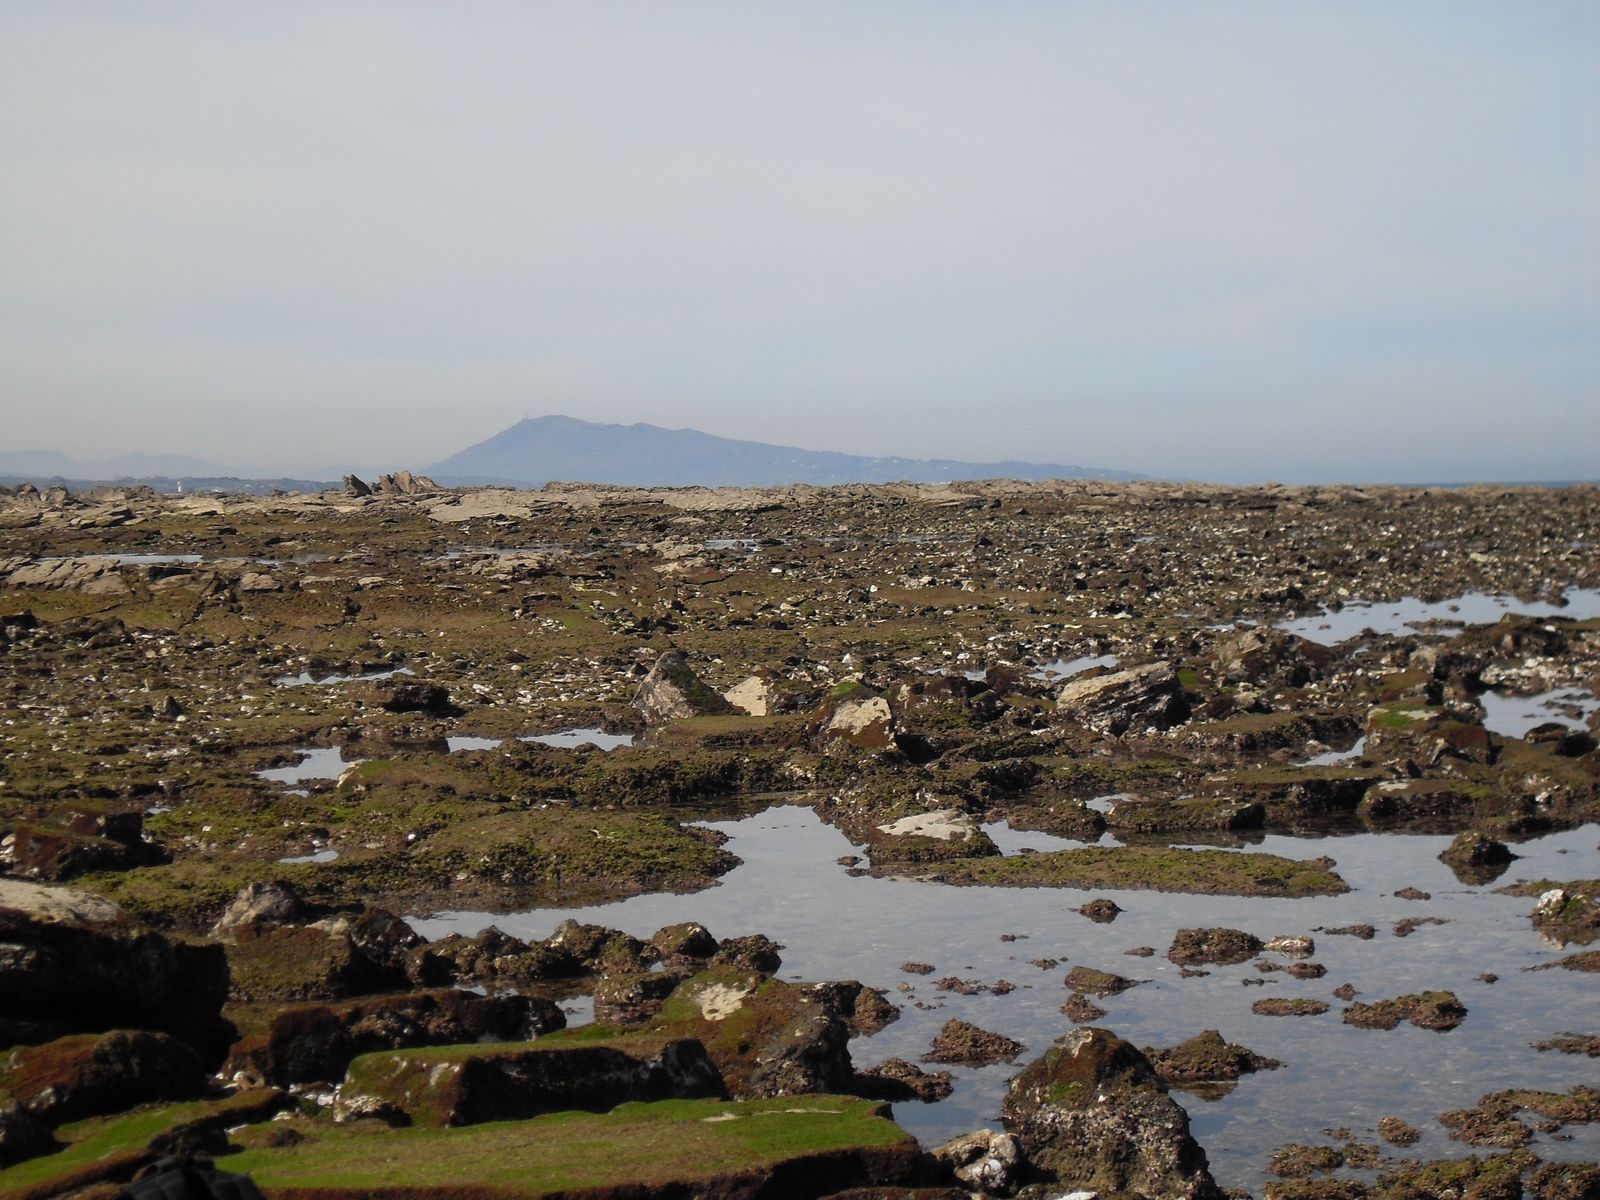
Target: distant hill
{"type": "Point", "coordinates": [43, 464]}
{"type": "Point", "coordinates": [535, 451]}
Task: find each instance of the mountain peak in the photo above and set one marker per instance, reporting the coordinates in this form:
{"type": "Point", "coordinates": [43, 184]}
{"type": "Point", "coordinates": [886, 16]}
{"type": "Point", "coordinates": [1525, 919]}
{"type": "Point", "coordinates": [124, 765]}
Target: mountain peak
{"type": "Point", "coordinates": [537, 450]}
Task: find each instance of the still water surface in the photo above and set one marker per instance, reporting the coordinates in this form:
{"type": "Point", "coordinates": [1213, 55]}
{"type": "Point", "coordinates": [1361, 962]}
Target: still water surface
{"type": "Point", "coordinates": [837, 926]}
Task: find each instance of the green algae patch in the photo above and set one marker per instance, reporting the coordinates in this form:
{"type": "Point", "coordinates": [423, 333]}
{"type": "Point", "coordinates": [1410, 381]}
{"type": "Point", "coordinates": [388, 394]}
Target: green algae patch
{"type": "Point", "coordinates": [1152, 868]}
{"type": "Point", "coordinates": [693, 1143]}
{"type": "Point", "coordinates": [103, 1148]}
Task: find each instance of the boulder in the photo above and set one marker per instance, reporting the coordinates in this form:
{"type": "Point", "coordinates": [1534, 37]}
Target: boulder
{"type": "Point", "coordinates": [672, 691]}
{"type": "Point", "coordinates": [853, 716]}
{"type": "Point", "coordinates": [1214, 945]}
{"type": "Point", "coordinates": [1267, 657]}
{"type": "Point", "coordinates": [1206, 1059]}
{"type": "Point", "coordinates": [258, 908]}
{"type": "Point", "coordinates": [1476, 858]}
{"type": "Point", "coordinates": [85, 1075]}
{"type": "Point", "coordinates": [752, 696]}
{"type": "Point", "coordinates": [317, 1042]}
{"type": "Point", "coordinates": [398, 694]}
{"type": "Point", "coordinates": [984, 1161]}
{"type": "Point", "coordinates": [1092, 1113]}
{"type": "Point", "coordinates": [767, 1037]}
{"type": "Point", "coordinates": [962, 1043]}
{"type": "Point", "coordinates": [1141, 700]}
{"type": "Point", "coordinates": [72, 963]}
{"type": "Point", "coordinates": [1094, 982]}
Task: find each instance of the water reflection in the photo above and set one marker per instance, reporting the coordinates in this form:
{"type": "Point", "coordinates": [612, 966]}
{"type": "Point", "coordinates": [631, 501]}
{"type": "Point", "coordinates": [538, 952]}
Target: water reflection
{"type": "Point", "coordinates": [320, 762]}
{"type": "Point", "coordinates": [835, 926]}
{"type": "Point", "coordinates": [1398, 617]}
{"type": "Point", "coordinates": [569, 739]}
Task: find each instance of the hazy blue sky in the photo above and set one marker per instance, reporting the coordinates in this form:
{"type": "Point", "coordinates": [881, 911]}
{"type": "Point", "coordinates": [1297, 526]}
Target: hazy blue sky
{"type": "Point", "coordinates": [1225, 240]}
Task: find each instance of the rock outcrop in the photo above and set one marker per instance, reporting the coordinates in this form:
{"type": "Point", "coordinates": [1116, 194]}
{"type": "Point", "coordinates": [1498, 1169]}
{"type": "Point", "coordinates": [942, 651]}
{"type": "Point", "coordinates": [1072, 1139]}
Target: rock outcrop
{"type": "Point", "coordinates": [672, 691]}
{"type": "Point", "coordinates": [1141, 700]}
{"type": "Point", "coordinates": [1093, 1115]}
{"type": "Point", "coordinates": [71, 963]}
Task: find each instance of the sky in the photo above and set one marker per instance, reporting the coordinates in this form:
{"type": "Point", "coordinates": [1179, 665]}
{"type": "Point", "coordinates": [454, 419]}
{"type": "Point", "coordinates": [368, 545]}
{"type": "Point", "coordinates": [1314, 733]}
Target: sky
{"type": "Point", "coordinates": [1211, 239]}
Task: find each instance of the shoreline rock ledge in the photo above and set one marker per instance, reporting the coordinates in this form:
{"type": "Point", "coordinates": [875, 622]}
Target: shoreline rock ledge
{"type": "Point", "coordinates": [1093, 1114]}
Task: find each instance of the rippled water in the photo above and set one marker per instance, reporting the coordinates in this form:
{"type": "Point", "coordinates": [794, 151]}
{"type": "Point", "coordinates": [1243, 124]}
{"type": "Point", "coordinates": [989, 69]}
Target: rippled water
{"type": "Point", "coordinates": [837, 926]}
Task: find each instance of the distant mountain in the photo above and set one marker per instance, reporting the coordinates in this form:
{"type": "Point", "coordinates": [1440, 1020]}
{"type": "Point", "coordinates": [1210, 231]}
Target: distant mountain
{"type": "Point", "coordinates": [541, 449]}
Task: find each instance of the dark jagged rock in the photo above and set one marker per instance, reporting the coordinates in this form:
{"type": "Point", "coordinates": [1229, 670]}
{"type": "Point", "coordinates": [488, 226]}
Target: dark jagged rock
{"type": "Point", "coordinates": [672, 691]}
{"type": "Point", "coordinates": [1101, 911]}
{"type": "Point", "coordinates": [1081, 1010]}
{"type": "Point", "coordinates": [1092, 1113]}
{"type": "Point", "coordinates": [317, 1042]}
{"type": "Point", "coordinates": [1140, 700]}
{"type": "Point", "coordinates": [88, 1074]}
{"type": "Point", "coordinates": [71, 963]}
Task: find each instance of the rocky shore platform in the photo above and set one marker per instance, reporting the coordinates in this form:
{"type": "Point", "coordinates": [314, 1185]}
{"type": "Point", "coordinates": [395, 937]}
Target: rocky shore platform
{"type": "Point", "coordinates": [250, 746]}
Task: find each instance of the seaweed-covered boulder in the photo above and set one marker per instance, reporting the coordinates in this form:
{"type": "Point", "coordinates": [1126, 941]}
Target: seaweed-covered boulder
{"type": "Point", "coordinates": [1213, 945]}
{"type": "Point", "coordinates": [960, 1042]}
{"type": "Point", "coordinates": [634, 997]}
{"type": "Point", "coordinates": [73, 963]}
{"type": "Point", "coordinates": [321, 961]}
{"type": "Point", "coordinates": [1476, 857]}
{"type": "Point", "coordinates": [767, 1037]}
{"type": "Point", "coordinates": [1141, 700]}
{"type": "Point", "coordinates": [685, 942]}
{"type": "Point", "coordinates": [1206, 1064]}
{"type": "Point", "coordinates": [672, 691]}
{"type": "Point", "coordinates": [1439, 1011]}
{"type": "Point", "coordinates": [1092, 1113]}
{"type": "Point", "coordinates": [1094, 982]}
{"type": "Point", "coordinates": [465, 1085]}
{"type": "Point", "coordinates": [313, 1042]}
{"type": "Point", "coordinates": [88, 1074]}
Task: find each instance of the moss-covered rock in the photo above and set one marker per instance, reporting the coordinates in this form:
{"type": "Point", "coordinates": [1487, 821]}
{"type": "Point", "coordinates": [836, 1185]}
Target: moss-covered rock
{"type": "Point", "coordinates": [469, 1084]}
{"type": "Point", "coordinates": [1213, 945]}
{"type": "Point", "coordinates": [303, 1043]}
{"type": "Point", "coordinates": [1159, 868]}
{"type": "Point", "coordinates": [1206, 1063]}
{"type": "Point", "coordinates": [1092, 1114]}
{"type": "Point", "coordinates": [1439, 1011]}
{"type": "Point", "coordinates": [90, 1074]}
